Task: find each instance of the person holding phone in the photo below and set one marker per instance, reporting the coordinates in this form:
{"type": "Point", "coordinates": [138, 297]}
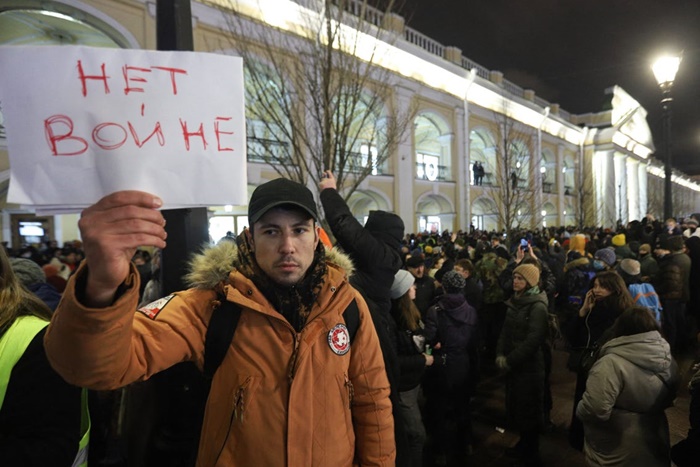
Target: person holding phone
{"type": "Point", "coordinates": [602, 305]}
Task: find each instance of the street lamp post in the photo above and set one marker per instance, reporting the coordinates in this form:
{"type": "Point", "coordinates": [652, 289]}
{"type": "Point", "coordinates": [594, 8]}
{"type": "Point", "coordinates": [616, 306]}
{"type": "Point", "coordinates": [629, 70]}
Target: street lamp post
{"type": "Point", "coordinates": [665, 69]}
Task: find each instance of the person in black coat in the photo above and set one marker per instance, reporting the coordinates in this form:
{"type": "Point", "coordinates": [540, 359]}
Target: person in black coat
{"type": "Point", "coordinates": [604, 302]}
{"type": "Point", "coordinates": [374, 250]}
{"type": "Point", "coordinates": [519, 355]}
{"type": "Point", "coordinates": [425, 285]}
{"type": "Point", "coordinates": [413, 358]}
{"type": "Point", "coordinates": [451, 329]}
{"type": "Point", "coordinates": [40, 413]}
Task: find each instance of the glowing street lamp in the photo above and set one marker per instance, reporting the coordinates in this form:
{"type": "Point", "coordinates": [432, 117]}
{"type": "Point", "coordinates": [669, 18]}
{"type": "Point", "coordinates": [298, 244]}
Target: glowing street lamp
{"type": "Point", "coordinates": [665, 69]}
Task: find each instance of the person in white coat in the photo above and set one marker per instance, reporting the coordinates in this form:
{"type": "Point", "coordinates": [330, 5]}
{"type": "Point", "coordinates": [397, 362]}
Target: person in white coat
{"type": "Point", "coordinates": [631, 384]}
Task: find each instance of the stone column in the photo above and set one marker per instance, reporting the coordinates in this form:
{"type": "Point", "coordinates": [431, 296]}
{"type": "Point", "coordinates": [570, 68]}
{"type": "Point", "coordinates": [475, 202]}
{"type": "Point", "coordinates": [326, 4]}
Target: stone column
{"type": "Point", "coordinates": [405, 166]}
{"type": "Point", "coordinates": [633, 190]}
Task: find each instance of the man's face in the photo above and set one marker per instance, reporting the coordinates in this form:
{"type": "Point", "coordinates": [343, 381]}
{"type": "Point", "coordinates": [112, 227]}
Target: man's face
{"type": "Point", "coordinates": [284, 242]}
{"type": "Point", "coordinates": [418, 271]}
{"type": "Point", "coordinates": [462, 272]}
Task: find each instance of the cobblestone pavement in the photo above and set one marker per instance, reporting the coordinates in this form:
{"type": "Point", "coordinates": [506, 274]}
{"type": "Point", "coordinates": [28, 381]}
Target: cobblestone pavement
{"type": "Point", "coordinates": [488, 412]}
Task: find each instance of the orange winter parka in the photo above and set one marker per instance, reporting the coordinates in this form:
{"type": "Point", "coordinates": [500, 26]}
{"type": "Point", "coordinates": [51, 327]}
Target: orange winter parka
{"type": "Point", "coordinates": [279, 398]}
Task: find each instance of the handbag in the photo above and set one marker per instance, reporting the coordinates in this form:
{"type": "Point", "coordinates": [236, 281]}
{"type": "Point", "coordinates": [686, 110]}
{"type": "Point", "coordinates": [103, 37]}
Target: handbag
{"type": "Point", "coordinates": [581, 359]}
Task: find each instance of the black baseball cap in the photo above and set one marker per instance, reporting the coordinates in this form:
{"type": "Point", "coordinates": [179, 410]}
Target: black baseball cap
{"type": "Point", "coordinates": [279, 192]}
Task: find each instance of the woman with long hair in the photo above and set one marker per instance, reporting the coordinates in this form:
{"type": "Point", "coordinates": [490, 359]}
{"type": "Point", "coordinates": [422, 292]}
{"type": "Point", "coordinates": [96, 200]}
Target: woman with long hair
{"type": "Point", "coordinates": [591, 328]}
{"type": "Point", "coordinates": [628, 388]}
{"type": "Point", "coordinates": [40, 414]}
{"type": "Point", "coordinates": [413, 360]}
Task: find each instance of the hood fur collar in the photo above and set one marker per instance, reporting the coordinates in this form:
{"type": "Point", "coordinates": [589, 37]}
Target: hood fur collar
{"type": "Point", "coordinates": [213, 265]}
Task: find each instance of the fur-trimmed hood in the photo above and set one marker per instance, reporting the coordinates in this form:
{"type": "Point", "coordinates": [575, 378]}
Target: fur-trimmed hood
{"type": "Point", "coordinates": [213, 265]}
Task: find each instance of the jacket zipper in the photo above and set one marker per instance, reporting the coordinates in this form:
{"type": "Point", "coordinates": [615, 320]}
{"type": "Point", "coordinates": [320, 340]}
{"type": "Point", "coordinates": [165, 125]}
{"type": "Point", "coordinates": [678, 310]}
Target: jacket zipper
{"type": "Point", "coordinates": [239, 401]}
{"type": "Point", "coordinates": [350, 389]}
{"type": "Point", "coordinates": [293, 359]}
{"type": "Point", "coordinates": [236, 413]}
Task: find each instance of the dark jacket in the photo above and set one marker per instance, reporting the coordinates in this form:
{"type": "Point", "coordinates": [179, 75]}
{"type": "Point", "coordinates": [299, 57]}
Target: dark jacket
{"type": "Point", "coordinates": [472, 292]}
{"type": "Point", "coordinates": [425, 293]}
{"type": "Point", "coordinates": [522, 338]}
{"type": "Point", "coordinates": [40, 416]}
{"type": "Point", "coordinates": [453, 323]}
{"type": "Point", "coordinates": [591, 329]}
{"type": "Point", "coordinates": [47, 293]}
{"type": "Point", "coordinates": [375, 255]}
{"type": "Point", "coordinates": [411, 359]}
{"type": "Point", "coordinates": [649, 268]}
{"type": "Point", "coordinates": [673, 280]}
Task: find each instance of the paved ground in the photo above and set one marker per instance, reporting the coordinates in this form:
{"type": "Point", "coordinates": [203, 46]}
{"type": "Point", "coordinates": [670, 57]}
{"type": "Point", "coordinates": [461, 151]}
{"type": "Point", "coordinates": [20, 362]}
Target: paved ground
{"type": "Point", "coordinates": [489, 413]}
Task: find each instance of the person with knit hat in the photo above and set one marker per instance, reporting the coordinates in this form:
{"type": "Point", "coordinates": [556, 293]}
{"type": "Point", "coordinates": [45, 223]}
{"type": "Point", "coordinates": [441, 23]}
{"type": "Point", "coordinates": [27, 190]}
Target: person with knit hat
{"type": "Point", "coordinates": [451, 329]}
{"type": "Point", "coordinates": [414, 359]}
{"type": "Point", "coordinates": [649, 268]}
{"type": "Point", "coordinates": [604, 259]}
{"type": "Point", "coordinates": [621, 247]}
{"type": "Point", "coordinates": [520, 356]}
{"type": "Point", "coordinates": [32, 276]}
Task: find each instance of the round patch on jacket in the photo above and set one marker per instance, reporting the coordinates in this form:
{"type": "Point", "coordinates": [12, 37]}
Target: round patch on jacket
{"type": "Point", "coordinates": [339, 339]}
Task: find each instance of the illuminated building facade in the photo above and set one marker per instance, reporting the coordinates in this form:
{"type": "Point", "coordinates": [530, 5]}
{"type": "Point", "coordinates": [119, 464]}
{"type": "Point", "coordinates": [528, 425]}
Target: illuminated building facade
{"type": "Point", "coordinates": [591, 169]}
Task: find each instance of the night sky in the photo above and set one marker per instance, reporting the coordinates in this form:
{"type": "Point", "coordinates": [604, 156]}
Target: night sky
{"type": "Point", "coordinates": [569, 52]}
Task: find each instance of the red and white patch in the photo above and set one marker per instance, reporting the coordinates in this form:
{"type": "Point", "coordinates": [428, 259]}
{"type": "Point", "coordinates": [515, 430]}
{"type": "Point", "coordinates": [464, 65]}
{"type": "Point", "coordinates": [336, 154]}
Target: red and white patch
{"type": "Point", "coordinates": [339, 339]}
{"type": "Point", "coordinates": [152, 309]}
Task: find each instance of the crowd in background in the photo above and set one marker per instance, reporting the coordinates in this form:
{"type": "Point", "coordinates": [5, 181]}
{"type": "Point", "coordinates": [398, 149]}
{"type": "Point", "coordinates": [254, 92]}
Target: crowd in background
{"type": "Point", "coordinates": [466, 299]}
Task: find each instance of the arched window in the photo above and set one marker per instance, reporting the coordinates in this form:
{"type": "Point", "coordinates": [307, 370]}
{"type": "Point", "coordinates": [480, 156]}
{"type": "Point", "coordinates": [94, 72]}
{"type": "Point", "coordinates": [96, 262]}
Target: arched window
{"type": "Point", "coordinates": [569, 171]}
{"type": "Point", "coordinates": [366, 137]}
{"type": "Point", "coordinates": [482, 151]}
{"type": "Point", "coordinates": [549, 215]}
{"type": "Point", "coordinates": [267, 125]}
{"type": "Point", "coordinates": [548, 172]}
{"type": "Point", "coordinates": [433, 148]}
{"type": "Point", "coordinates": [485, 214]}
{"type": "Point", "coordinates": [519, 161]}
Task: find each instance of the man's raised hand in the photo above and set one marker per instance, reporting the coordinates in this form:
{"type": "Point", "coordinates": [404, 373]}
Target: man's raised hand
{"type": "Point", "coordinates": [112, 230]}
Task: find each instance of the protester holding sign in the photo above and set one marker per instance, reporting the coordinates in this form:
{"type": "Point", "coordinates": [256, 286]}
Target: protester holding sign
{"type": "Point", "coordinates": [295, 387]}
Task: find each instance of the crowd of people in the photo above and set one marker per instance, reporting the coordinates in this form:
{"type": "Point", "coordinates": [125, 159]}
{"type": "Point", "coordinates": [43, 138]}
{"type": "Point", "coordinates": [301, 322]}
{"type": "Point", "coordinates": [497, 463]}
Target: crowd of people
{"type": "Point", "coordinates": [364, 349]}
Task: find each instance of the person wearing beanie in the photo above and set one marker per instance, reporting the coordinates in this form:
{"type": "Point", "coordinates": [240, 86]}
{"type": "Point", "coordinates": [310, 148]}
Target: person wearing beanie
{"type": "Point", "coordinates": [649, 268]}
{"type": "Point", "coordinates": [621, 247]}
{"type": "Point", "coordinates": [520, 356]}
{"type": "Point", "coordinates": [604, 259]}
{"type": "Point", "coordinates": [403, 280]}
{"type": "Point", "coordinates": [374, 251]}
{"type": "Point", "coordinates": [453, 282]}
{"type": "Point", "coordinates": [451, 329]}
{"type": "Point", "coordinates": [414, 359]}
{"type": "Point", "coordinates": [32, 276]}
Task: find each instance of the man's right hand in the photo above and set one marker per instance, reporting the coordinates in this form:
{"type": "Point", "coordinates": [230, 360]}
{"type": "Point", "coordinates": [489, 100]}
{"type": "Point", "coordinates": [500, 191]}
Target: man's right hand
{"type": "Point", "coordinates": [327, 181]}
{"type": "Point", "coordinates": [111, 231]}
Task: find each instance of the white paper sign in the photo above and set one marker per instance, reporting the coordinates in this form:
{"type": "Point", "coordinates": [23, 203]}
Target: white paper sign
{"type": "Point", "coordinates": [84, 122]}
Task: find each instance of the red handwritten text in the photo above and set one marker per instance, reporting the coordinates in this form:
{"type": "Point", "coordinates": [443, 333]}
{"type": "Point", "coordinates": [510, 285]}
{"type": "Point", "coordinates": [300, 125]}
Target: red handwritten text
{"type": "Point", "coordinates": [134, 77]}
{"type": "Point", "coordinates": [60, 133]}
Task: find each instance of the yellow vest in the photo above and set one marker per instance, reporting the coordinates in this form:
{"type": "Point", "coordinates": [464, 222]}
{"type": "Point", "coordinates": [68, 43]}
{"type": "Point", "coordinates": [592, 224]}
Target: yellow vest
{"type": "Point", "coordinates": [12, 346]}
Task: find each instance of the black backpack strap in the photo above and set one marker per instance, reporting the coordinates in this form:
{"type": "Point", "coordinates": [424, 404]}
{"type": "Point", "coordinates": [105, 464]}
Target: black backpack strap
{"type": "Point", "coordinates": [223, 324]}
{"type": "Point", "coordinates": [222, 327]}
{"type": "Point", "coordinates": [351, 315]}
